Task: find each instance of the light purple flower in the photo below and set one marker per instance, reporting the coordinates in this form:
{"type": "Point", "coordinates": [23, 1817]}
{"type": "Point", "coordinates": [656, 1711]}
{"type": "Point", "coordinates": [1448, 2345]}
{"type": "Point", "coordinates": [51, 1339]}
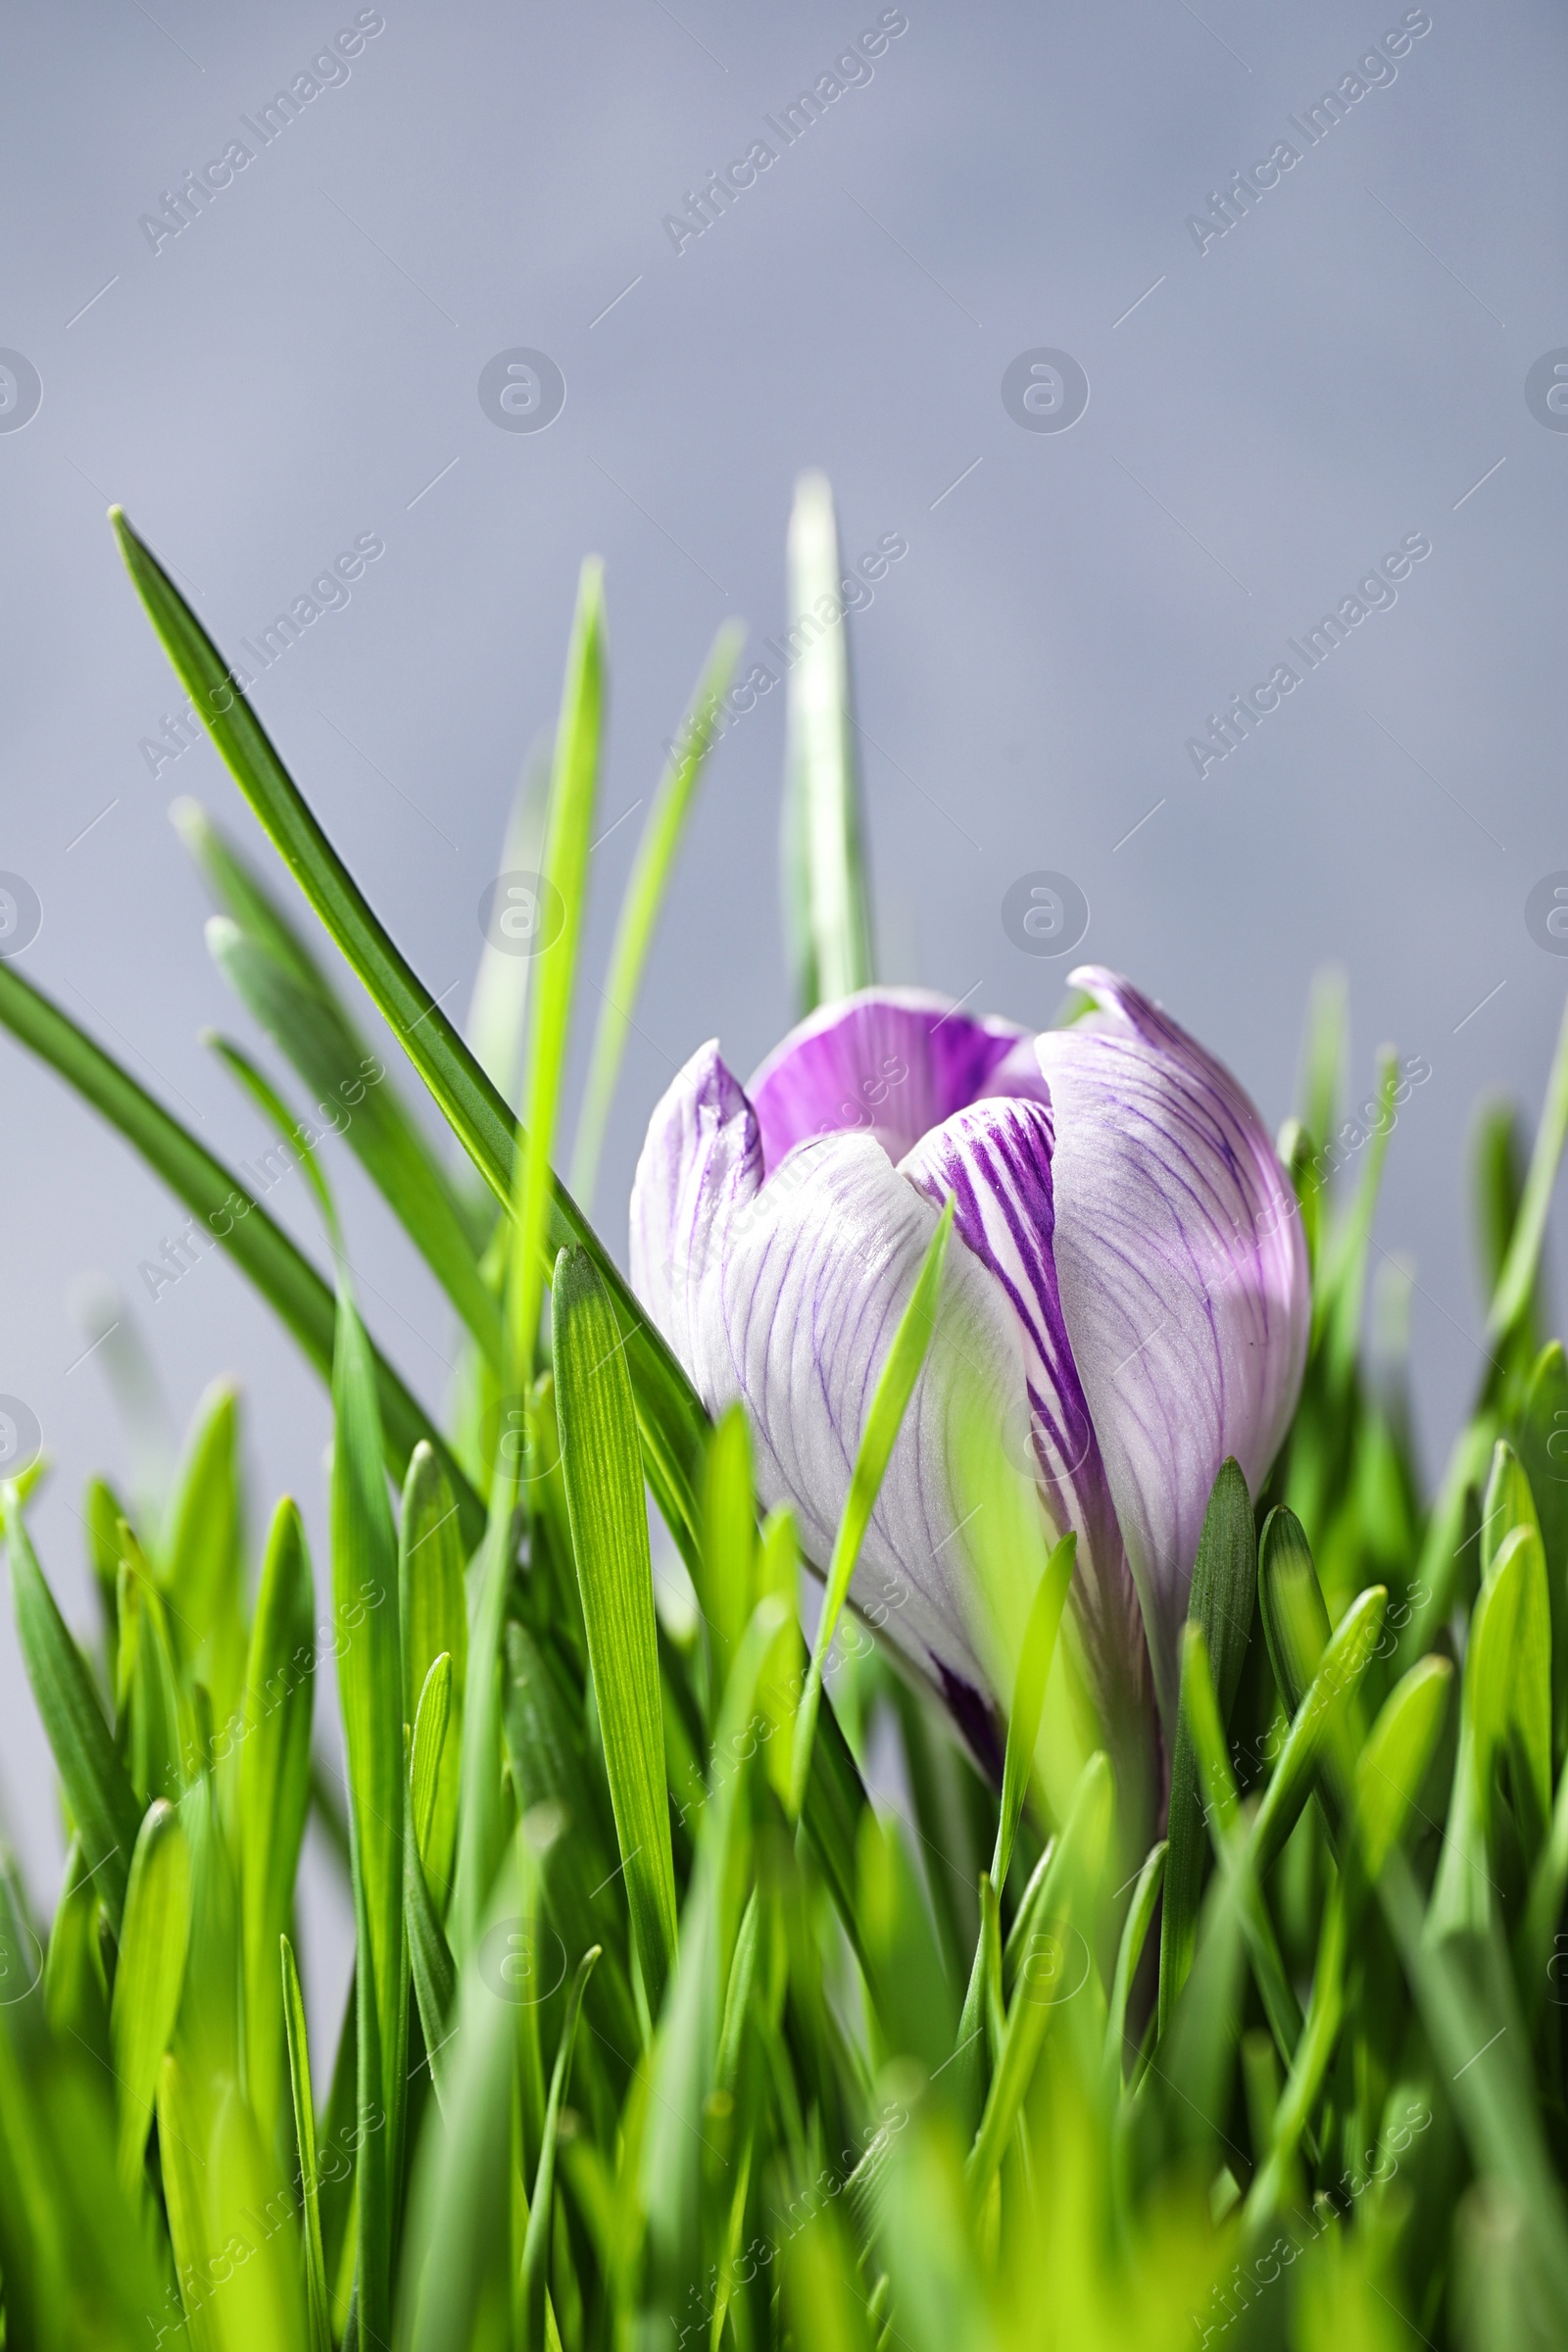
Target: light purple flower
{"type": "Point", "coordinates": [1127, 1294]}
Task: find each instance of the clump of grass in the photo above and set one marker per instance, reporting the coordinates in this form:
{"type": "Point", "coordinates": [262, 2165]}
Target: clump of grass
{"type": "Point", "coordinates": [661, 2032]}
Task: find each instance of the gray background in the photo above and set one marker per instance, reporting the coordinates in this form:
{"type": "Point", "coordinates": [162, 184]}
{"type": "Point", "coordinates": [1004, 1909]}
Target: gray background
{"type": "Point", "coordinates": [301, 363]}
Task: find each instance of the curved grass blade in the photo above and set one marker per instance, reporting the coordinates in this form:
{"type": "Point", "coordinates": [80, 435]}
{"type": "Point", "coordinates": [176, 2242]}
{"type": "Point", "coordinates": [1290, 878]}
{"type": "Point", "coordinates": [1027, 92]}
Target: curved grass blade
{"type": "Point", "coordinates": [827, 918]}
{"type": "Point", "coordinates": [1224, 1580]}
{"type": "Point", "coordinates": [609, 1537]}
{"type": "Point", "coordinates": [299, 2075]}
{"type": "Point", "coordinates": [149, 1976]}
{"type": "Point", "coordinates": [285, 1278]}
{"type": "Point", "coordinates": [889, 1404]}
{"type": "Point", "coordinates": [433, 1618]}
{"type": "Point", "coordinates": [536, 2245]}
{"type": "Point", "coordinates": [103, 1803]}
{"type": "Point", "coordinates": [294, 1133]}
{"type": "Point", "coordinates": [671, 1416]}
{"type": "Point", "coordinates": [645, 886]}
{"type": "Point", "coordinates": [1130, 1950]}
{"type": "Point", "coordinates": [1511, 1299]}
{"type": "Point", "coordinates": [1029, 1698]}
{"type": "Point", "coordinates": [352, 1096]}
{"type": "Point", "coordinates": [365, 1594]}
{"type": "Point", "coordinates": [275, 1786]}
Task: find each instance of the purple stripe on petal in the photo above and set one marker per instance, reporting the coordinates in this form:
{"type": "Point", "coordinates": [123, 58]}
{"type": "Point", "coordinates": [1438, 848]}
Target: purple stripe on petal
{"type": "Point", "coordinates": [890, 1063]}
{"type": "Point", "coordinates": [995, 1160]}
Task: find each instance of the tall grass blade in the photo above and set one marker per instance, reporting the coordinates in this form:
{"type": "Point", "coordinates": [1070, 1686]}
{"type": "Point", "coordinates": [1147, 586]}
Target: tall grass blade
{"type": "Point", "coordinates": [610, 1536]}
{"type": "Point", "coordinates": [274, 1781]}
{"type": "Point", "coordinates": [644, 896]}
{"type": "Point", "coordinates": [149, 1977]}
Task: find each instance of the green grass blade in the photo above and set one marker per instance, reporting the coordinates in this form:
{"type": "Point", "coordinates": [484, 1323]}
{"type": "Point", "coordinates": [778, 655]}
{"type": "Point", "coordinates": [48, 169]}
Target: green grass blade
{"type": "Point", "coordinates": [889, 1404]}
{"type": "Point", "coordinates": [431, 1965]}
{"type": "Point", "coordinates": [1318, 1731]}
{"type": "Point", "coordinates": [645, 886]}
{"type": "Point", "coordinates": [574, 791]}
{"type": "Point", "coordinates": [1341, 1286]}
{"type": "Point", "coordinates": [351, 1095]}
{"type": "Point", "coordinates": [1224, 1581]}
{"type": "Point", "coordinates": [669, 1414]}
{"type": "Point", "coordinates": [1510, 1302]}
{"type": "Point", "coordinates": [1395, 1756]}
{"type": "Point", "coordinates": [296, 1134]}
{"type": "Point", "coordinates": [536, 2245]}
{"type": "Point", "coordinates": [149, 1976]}
{"type": "Point", "coordinates": [103, 1805]}
{"type": "Point", "coordinates": [1295, 1617]}
{"type": "Point", "coordinates": [827, 917]}
{"type": "Point", "coordinates": [1129, 1951]}
{"type": "Point", "coordinates": [275, 1783]}
{"type": "Point", "coordinates": [1079, 1854]}
{"type": "Point", "coordinates": [203, 1568]}
{"type": "Point", "coordinates": [610, 1536]}
{"type": "Point", "coordinates": [285, 1278]}
{"type": "Point", "coordinates": [299, 2075]}
{"type": "Point", "coordinates": [433, 1616]}
{"type": "Point", "coordinates": [365, 1594]}
{"type": "Point", "coordinates": [1029, 1698]}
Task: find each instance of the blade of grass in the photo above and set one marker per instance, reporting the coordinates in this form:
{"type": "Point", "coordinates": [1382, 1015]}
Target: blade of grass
{"type": "Point", "coordinates": [103, 1805]}
{"type": "Point", "coordinates": [671, 1416]}
{"type": "Point", "coordinates": [365, 1594]}
{"type": "Point", "coordinates": [640, 906]}
{"type": "Point", "coordinates": [275, 1786]}
{"type": "Point", "coordinates": [536, 2245]}
{"type": "Point", "coordinates": [1029, 1698]}
{"type": "Point", "coordinates": [609, 1537]}
{"type": "Point", "coordinates": [352, 1094]}
{"type": "Point", "coordinates": [149, 1976]}
{"type": "Point", "coordinates": [285, 1278]}
{"type": "Point", "coordinates": [433, 1616]}
{"type": "Point", "coordinates": [1510, 1302]}
{"type": "Point", "coordinates": [1224, 1581]}
{"type": "Point", "coordinates": [299, 2074]}
{"type": "Point", "coordinates": [826, 915]}
{"type": "Point", "coordinates": [894, 1386]}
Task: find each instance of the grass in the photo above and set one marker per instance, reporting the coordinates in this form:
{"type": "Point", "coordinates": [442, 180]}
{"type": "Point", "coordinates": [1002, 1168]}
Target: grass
{"type": "Point", "coordinates": [663, 2034]}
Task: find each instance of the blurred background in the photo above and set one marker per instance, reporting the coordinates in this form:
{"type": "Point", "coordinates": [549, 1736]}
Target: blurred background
{"type": "Point", "coordinates": [1285, 384]}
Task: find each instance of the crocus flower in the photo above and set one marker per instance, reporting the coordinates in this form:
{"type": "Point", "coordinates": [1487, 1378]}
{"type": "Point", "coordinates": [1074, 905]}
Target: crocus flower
{"type": "Point", "coordinates": [1127, 1278]}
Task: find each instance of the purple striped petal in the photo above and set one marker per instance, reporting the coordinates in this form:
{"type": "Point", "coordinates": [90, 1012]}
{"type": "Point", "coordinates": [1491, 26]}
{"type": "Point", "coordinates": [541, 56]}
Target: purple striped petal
{"type": "Point", "coordinates": [787, 1294]}
{"type": "Point", "coordinates": [892, 1062]}
{"type": "Point", "coordinates": [1183, 1278]}
{"type": "Point", "coordinates": [995, 1160]}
